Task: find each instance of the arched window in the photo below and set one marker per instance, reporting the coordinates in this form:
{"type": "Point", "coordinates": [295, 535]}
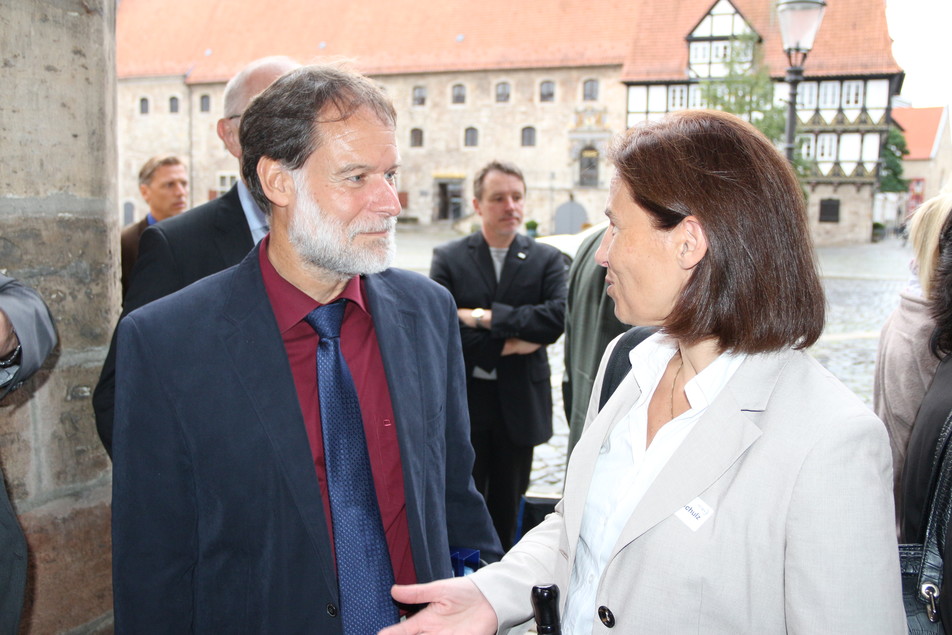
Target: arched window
{"type": "Point", "coordinates": [588, 168]}
{"type": "Point", "coordinates": [419, 95]}
{"type": "Point", "coordinates": [173, 105]}
{"type": "Point", "coordinates": [590, 90]}
{"type": "Point", "coordinates": [459, 94]}
{"type": "Point", "coordinates": [205, 103]}
{"type": "Point", "coordinates": [547, 91]}
{"type": "Point", "coordinates": [471, 138]}
{"type": "Point", "coordinates": [502, 92]}
{"type": "Point", "coordinates": [528, 136]}
{"type": "Point", "coordinates": [416, 138]}
{"type": "Point", "coordinates": [144, 106]}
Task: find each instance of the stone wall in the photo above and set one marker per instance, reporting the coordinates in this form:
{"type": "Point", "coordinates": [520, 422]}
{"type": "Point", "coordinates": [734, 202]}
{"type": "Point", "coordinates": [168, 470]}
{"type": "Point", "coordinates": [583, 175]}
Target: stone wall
{"type": "Point", "coordinates": [59, 233]}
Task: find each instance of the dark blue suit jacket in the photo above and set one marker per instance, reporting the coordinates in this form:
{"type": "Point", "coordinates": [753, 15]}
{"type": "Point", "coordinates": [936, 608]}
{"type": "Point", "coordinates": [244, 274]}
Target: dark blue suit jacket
{"type": "Point", "coordinates": [218, 524]}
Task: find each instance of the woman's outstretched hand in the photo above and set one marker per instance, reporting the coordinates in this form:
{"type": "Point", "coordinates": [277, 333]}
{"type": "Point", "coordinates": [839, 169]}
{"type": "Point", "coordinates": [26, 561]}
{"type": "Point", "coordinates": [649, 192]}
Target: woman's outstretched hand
{"type": "Point", "coordinates": [454, 607]}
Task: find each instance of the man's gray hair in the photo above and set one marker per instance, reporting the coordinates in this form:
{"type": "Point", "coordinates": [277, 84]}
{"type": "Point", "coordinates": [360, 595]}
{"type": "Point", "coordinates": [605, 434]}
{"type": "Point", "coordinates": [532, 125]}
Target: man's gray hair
{"type": "Point", "coordinates": [284, 122]}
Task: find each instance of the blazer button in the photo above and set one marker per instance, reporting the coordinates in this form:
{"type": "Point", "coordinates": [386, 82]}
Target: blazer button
{"type": "Point", "coordinates": [331, 610]}
{"type": "Point", "coordinates": [606, 616]}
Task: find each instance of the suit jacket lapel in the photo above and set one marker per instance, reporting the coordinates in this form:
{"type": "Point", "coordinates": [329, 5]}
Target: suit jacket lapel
{"type": "Point", "coordinates": [251, 334]}
{"type": "Point", "coordinates": [483, 261]}
{"type": "Point", "coordinates": [723, 434]}
{"type": "Point", "coordinates": [394, 323]}
{"type": "Point", "coordinates": [518, 254]}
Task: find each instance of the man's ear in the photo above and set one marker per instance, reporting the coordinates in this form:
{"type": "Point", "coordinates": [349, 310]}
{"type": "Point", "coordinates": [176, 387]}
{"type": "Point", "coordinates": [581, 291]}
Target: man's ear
{"type": "Point", "coordinates": [692, 241]}
{"type": "Point", "coordinates": [276, 182]}
{"type": "Point", "coordinates": [228, 133]}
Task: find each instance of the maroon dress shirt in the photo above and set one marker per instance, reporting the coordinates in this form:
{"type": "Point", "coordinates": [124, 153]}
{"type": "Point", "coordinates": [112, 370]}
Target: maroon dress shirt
{"type": "Point", "coordinates": [362, 353]}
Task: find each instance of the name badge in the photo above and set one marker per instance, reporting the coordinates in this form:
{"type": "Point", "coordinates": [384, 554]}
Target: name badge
{"type": "Point", "coordinates": [695, 514]}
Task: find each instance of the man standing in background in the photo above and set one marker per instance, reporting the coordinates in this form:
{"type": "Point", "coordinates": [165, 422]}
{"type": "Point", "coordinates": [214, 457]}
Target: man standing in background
{"type": "Point", "coordinates": [510, 298]}
{"type": "Point", "coordinates": [163, 183]}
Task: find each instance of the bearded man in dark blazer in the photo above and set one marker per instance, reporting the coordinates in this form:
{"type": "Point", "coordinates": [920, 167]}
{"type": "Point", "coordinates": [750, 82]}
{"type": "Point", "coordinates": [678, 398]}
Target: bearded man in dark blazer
{"type": "Point", "coordinates": [225, 491]}
{"type": "Point", "coordinates": [510, 298]}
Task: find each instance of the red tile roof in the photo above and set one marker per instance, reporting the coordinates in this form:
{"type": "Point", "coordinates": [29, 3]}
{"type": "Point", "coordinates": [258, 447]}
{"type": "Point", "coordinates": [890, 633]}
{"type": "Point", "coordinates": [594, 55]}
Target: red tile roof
{"type": "Point", "coordinates": [213, 39]}
{"type": "Point", "coordinates": [210, 40]}
{"type": "Point", "coordinates": [920, 126]}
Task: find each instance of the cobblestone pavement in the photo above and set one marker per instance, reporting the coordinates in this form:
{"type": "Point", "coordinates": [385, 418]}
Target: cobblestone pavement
{"type": "Point", "coordinates": [862, 284]}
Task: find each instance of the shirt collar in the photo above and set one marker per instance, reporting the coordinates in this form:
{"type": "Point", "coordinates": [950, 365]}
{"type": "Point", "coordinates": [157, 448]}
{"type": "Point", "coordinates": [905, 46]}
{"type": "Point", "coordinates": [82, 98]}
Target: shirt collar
{"type": "Point", "coordinates": [290, 304]}
{"type": "Point", "coordinates": [257, 220]}
{"type": "Point", "coordinates": [649, 359]}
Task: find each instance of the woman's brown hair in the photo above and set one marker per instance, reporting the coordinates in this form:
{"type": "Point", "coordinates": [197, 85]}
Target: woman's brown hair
{"type": "Point", "coordinates": [757, 289]}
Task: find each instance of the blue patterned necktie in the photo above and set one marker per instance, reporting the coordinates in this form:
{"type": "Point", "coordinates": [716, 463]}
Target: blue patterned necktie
{"type": "Point", "coordinates": [364, 572]}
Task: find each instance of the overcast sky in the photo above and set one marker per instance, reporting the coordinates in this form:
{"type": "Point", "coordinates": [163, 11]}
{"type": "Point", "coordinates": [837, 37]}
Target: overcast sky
{"type": "Point", "coordinates": [922, 45]}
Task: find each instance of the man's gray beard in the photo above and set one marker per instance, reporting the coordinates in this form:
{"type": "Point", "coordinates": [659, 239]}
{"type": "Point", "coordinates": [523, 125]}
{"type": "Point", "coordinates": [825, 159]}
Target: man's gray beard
{"type": "Point", "coordinates": [325, 242]}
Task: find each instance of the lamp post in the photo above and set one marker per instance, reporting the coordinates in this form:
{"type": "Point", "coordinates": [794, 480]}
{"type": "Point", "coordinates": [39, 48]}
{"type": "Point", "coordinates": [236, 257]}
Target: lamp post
{"type": "Point", "coordinates": [799, 22]}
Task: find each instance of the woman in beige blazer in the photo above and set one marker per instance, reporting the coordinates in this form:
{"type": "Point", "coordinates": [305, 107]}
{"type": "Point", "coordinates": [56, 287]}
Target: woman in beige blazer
{"type": "Point", "coordinates": [731, 484]}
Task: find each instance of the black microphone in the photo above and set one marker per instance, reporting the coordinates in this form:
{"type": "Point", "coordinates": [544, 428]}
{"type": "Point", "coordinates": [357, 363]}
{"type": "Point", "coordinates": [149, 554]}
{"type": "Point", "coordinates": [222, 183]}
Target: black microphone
{"type": "Point", "coordinates": [545, 605]}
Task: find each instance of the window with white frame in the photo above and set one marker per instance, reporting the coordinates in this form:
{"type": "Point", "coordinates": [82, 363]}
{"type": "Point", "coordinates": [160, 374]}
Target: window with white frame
{"type": "Point", "coordinates": [459, 94]}
{"type": "Point", "coordinates": [695, 97]}
{"type": "Point", "coordinates": [807, 143]}
{"type": "Point", "coordinates": [829, 94]}
{"type": "Point", "coordinates": [677, 97]}
{"type": "Point", "coordinates": [416, 138]}
{"type": "Point", "coordinates": [826, 147]}
{"type": "Point", "coordinates": [721, 51]}
{"type": "Point", "coordinates": [700, 52]}
{"type": "Point", "coordinates": [806, 95]}
{"type": "Point", "coordinates": [853, 94]}
{"type": "Point", "coordinates": [471, 137]}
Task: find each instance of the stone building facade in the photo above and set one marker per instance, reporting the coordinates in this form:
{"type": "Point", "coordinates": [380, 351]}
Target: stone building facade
{"type": "Point", "coordinates": [544, 87]}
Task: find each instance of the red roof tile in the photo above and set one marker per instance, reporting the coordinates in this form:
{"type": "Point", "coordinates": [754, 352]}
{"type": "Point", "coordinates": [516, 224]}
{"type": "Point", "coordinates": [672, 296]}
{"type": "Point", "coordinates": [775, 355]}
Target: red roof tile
{"type": "Point", "coordinates": [920, 126]}
{"type": "Point", "coordinates": [210, 40]}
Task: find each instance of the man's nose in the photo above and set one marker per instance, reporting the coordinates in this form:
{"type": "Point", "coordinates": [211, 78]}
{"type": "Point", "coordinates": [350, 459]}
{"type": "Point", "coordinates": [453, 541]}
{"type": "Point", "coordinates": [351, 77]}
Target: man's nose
{"type": "Point", "coordinates": [386, 200]}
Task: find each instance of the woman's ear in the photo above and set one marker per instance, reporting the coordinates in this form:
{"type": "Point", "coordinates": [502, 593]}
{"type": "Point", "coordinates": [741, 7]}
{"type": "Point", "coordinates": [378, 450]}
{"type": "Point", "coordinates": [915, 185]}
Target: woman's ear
{"type": "Point", "coordinates": [276, 182]}
{"type": "Point", "coordinates": [693, 242]}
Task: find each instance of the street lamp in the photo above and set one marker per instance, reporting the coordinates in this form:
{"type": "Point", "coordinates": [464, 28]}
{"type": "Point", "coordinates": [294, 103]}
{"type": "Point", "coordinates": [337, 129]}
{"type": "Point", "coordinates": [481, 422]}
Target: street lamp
{"type": "Point", "coordinates": [799, 22]}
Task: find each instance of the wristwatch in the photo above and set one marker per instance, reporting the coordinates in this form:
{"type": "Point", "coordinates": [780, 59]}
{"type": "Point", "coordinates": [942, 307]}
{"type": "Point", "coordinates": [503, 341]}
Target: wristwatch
{"type": "Point", "coordinates": [478, 316]}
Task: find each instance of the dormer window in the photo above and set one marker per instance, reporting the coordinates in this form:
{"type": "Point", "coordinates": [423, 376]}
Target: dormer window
{"type": "Point", "coordinates": [722, 38]}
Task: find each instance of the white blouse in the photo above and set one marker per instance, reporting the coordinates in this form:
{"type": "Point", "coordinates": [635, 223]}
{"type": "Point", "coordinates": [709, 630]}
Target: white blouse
{"type": "Point", "coordinates": [626, 469]}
